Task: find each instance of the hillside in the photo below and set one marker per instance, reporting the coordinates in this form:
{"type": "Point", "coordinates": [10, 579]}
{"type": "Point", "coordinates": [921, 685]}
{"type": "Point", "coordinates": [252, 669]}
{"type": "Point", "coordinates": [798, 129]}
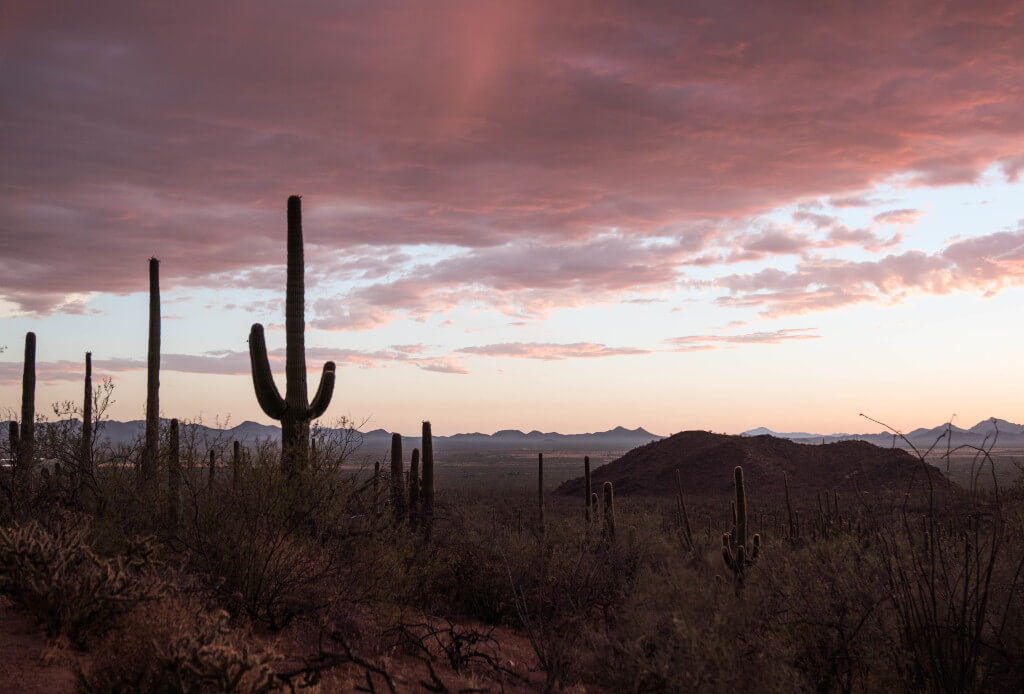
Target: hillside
{"type": "Point", "coordinates": [706, 461]}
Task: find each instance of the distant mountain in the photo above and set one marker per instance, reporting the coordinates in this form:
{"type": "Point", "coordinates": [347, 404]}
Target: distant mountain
{"type": "Point", "coordinates": [379, 440]}
{"type": "Point", "coordinates": [1005, 434]}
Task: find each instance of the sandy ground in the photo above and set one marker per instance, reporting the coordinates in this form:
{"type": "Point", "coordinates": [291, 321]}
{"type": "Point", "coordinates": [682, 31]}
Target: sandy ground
{"type": "Point", "coordinates": [27, 662]}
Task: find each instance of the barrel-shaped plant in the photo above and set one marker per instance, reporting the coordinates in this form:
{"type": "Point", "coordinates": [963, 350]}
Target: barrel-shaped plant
{"type": "Point", "coordinates": [295, 411]}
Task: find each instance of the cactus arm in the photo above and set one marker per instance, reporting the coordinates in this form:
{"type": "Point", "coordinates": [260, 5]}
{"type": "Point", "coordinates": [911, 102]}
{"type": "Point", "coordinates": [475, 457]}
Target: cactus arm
{"type": "Point", "coordinates": [323, 393]}
{"type": "Point", "coordinates": [267, 394]}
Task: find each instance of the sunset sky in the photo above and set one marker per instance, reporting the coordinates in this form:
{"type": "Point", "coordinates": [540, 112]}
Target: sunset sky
{"type": "Point", "coordinates": [538, 215]}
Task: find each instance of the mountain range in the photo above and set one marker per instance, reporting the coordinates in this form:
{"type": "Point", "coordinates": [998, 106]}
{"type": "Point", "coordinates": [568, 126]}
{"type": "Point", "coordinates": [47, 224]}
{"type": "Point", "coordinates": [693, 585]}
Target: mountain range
{"type": "Point", "coordinates": [1005, 435]}
{"type": "Point", "coordinates": [617, 439]}
{"type": "Point", "coordinates": [379, 440]}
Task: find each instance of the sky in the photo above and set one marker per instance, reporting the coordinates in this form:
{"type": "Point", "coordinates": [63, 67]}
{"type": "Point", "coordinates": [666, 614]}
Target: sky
{"type": "Point", "coordinates": [559, 216]}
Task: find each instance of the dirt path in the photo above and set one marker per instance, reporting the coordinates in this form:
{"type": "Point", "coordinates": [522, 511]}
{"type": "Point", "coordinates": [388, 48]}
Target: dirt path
{"type": "Point", "coordinates": [27, 666]}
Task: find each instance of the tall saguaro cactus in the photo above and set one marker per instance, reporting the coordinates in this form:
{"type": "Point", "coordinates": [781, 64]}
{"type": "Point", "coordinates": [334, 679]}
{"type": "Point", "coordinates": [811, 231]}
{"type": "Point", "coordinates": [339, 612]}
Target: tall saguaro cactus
{"type": "Point", "coordinates": [540, 489]}
{"type": "Point", "coordinates": [397, 481]}
{"type": "Point", "coordinates": [151, 447]}
{"type": "Point", "coordinates": [85, 454]}
{"type": "Point", "coordinates": [294, 410]}
{"type": "Point", "coordinates": [26, 438]}
{"type": "Point", "coordinates": [414, 485]}
{"type": "Point", "coordinates": [427, 495]}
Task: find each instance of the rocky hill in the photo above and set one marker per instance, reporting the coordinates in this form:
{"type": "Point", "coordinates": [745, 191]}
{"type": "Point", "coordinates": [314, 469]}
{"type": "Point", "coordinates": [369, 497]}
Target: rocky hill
{"type": "Point", "coordinates": [706, 462]}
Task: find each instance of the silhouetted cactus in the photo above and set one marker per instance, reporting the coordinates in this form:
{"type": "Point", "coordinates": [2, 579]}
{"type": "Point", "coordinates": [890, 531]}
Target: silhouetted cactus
{"type": "Point", "coordinates": [151, 446]}
{"type": "Point", "coordinates": [26, 438]}
{"type": "Point", "coordinates": [540, 490]}
{"type": "Point", "coordinates": [173, 479]}
{"type": "Point", "coordinates": [414, 485]}
{"type": "Point", "coordinates": [792, 530]}
{"type": "Point", "coordinates": [397, 479]}
{"type": "Point", "coordinates": [734, 544]}
{"type": "Point", "coordinates": [376, 488]}
{"type": "Point", "coordinates": [85, 453]}
{"type": "Point", "coordinates": [594, 504]}
{"type": "Point", "coordinates": [294, 411]}
{"type": "Point", "coordinates": [236, 463]}
{"type": "Point", "coordinates": [586, 486]}
{"type": "Point", "coordinates": [213, 469]}
{"type": "Point", "coordinates": [609, 510]}
{"type": "Point", "coordinates": [684, 518]}
{"type": "Point", "coordinates": [428, 477]}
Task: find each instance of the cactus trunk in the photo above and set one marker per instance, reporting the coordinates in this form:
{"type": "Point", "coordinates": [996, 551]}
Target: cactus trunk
{"type": "Point", "coordinates": [150, 450]}
{"type": "Point", "coordinates": [609, 510]}
{"type": "Point", "coordinates": [414, 485]}
{"type": "Point", "coordinates": [236, 463]}
{"type": "Point", "coordinates": [213, 469]}
{"type": "Point", "coordinates": [540, 489]}
{"type": "Point", "coordinates": [397, 479]}
{"type": "Point", "coordinates": [428, 477]}
{"type": "Point", "coordinates": [294, 411]}
{"type": "Point", "coordinates": [173, 479]}
{"type": "Point", "coordinates": [26, 440]}
{"type": "Point", "coordinates": [586, 486]}
{"type": "Point", "coordinates": [85, 453]}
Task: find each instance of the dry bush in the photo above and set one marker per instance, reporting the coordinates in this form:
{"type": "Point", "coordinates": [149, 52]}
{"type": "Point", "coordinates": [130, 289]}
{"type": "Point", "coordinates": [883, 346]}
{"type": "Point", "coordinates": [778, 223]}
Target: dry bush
{"type": "Point", "coordinates": [70, 589]}
{"type": "Point", "coordinates": [175, 646]}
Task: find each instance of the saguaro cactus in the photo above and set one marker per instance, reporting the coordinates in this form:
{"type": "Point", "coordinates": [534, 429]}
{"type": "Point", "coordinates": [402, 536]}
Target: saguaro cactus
{"type": "Point", "coordinates": [586, 485]}
{"type": "Point", "coordinates": [85, 452]}
{"type": "Point", "coordinates": [236, 463]}
{"type": "Point", "coordinates": [13, 441]}
{"type": "Point", "coordinates": [540, 489]}
{"type": "Point", "coordinates": [294, 410]}
{"type": "Point", "coordinates": [734, 545]}
{"type": "Point", "coordinates": [213, 469]}
{"type": "Point", "coordinates": [26, 439]}
{"type": "Point", "coordinates": [397, 478]}
{"type": "Point", "coordinates": [173, 479]}
{"type": "Point", "coordinates": [414, 484]}
{"type": "Point", "coordinates": [151, 446]}
{"type": "Point", "coordinates": [428, 477]}
{"type": "Point", "coordinates": [609, 510]}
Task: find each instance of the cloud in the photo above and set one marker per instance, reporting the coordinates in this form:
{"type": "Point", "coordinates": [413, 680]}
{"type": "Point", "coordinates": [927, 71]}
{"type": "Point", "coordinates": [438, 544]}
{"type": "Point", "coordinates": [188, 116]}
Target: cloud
{"type": "Point", "coordinates": [902, 216]}
{"type": "Point", "coordinates": [986, 263]}
{"type": "Point", "coordinates": [772, 337]}
{"type": "Point", "coordinates": [228, 363]}
{"type": "Point", "coordinates": [550, 351]}
{"type": "Point", "coordinates": [131, 132]}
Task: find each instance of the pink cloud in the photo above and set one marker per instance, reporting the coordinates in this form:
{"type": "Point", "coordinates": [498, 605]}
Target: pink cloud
{"type": "Point", "coordinates": [986, 263]}
{"type": "Point", "coordinates": [772, 337]}
{"type": "Point", "coordinates": [133, 132]}
{"type": "Point", "coordinates": [550, 351]}
{"type": "Point", "coordinates": [902, 216]}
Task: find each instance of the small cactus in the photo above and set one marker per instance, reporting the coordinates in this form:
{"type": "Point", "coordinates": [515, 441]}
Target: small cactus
{"type": "Point", "coordinates": [734, 545]}
{"type": "Point", "coordinates": [540, 490]}
{"type": "Point", "coordinates": [295, 411]}
{"type": "Point", "coordinates": [173, 479]}
{"type": "Point", "coordinates": [609, 511]}
{"type": "Point", "coordinates": [85, 453]}
{"type": "Point", "coordinates": [684, 518]}
{"type": "Point", "coordinates": [213, 469]}
{"type": "Point", "coordinates": [586, 487]}
{"type": "Point", "coordinates": [236, 463]}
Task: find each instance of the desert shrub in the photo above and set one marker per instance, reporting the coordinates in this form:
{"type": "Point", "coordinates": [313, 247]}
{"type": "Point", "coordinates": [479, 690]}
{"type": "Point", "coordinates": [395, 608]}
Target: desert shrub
{"type": "Point", "coordinates": [565, 583]}
{"type": "Point", "coordinates": [74, 592]}
{"type": "Point", "coordinates": [175, 646]}
{"type": "Point", "coordinates": [266, 542]}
